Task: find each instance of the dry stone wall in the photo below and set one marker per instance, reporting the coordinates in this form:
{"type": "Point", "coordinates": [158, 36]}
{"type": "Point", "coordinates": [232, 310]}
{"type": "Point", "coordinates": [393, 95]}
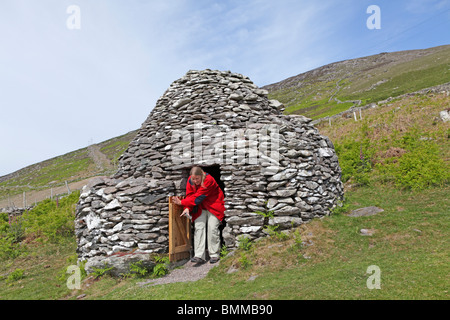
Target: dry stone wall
{"type": "Point", "coordinates": [266, 161]}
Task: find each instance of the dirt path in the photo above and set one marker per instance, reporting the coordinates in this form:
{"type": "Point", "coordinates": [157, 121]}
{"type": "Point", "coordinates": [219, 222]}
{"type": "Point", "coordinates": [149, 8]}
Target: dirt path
{"type": "Point", "coordinates": [188, 272]}
{"type": "Point", "coordinates": [37, 196]}
{"type": "Point", "coordinates": [100, 159]}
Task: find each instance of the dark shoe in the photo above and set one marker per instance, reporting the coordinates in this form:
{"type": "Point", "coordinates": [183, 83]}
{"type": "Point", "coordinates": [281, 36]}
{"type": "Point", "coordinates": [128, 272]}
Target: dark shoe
{"type": "Point", "coordinates": [197, 260]}
{"type": "Point", "coordinates": [214, 260]}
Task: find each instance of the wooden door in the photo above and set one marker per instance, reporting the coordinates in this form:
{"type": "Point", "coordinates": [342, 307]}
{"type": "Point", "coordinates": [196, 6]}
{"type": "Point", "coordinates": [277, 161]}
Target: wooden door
{"type": "Point", "coordinates": [179, 233]}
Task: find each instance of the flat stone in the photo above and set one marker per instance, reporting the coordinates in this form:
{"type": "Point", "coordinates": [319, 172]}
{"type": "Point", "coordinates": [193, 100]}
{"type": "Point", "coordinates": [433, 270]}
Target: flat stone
{"type": "Point", "coordinates": [113, 205]}
{"type": "Point", "coordinates": [120, 263]}
{"type": "Point", "coordinates": [325, 152]}
{"type": "Point", "coordinates": [151, 198]}
{"type": "Point", "coordinates": [365, 212]}
{"type": "Point", "coordinates": [133, 190]}
{"type": "Point", "coordinates": [366, 232]}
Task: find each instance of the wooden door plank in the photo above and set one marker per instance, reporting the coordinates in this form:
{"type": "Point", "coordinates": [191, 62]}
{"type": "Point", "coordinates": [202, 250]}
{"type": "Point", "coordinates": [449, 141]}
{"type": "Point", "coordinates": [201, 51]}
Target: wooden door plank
{"type": "Point", "coordinates": [179, 233]}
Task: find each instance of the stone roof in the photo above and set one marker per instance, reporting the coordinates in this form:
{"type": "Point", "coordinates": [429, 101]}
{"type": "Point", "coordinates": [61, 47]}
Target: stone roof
{"type": "Point", "coordinates": [221, 100]}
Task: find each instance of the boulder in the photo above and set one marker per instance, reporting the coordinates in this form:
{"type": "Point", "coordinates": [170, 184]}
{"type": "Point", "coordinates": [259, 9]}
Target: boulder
{"type": "Point", "coordinates": [120, 263]}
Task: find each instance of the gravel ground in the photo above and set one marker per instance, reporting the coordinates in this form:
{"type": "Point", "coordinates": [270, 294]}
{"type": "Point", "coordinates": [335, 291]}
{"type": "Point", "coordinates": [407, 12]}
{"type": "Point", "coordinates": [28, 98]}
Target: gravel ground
{"type": "Point", "coordinates": [188, 272]}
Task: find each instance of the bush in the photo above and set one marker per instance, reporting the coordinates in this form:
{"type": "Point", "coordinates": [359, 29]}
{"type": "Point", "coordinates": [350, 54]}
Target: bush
{"type": "Point", "coordinates": [15, 275]}
{"type": "Point", "coordinates": [162, 266]}
{"type": "Point", "coordinates": [50, 223]}
{"type": "Point", "coordinates": [355, 160]}
{"type": "Point", "coordinates": [420, 168]}
{"type": "Point", "coordinates": [419, 165]}
{"type": "Point", "coordinates": [10, 249]}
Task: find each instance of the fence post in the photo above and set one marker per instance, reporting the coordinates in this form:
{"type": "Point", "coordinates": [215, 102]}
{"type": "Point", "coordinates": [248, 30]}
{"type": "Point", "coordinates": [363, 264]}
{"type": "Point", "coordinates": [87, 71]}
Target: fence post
{"type": "Point", "coordinates": [68, 189]}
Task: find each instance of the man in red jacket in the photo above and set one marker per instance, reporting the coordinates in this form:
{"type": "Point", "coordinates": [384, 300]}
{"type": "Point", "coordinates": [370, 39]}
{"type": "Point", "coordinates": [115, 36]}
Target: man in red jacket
{"type": "Point", "coordinates": [205, 202]}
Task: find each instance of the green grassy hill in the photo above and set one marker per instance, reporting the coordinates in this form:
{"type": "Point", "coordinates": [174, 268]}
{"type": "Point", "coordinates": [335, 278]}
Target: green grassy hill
{"type": "Point", "coordinates": [336, 87]}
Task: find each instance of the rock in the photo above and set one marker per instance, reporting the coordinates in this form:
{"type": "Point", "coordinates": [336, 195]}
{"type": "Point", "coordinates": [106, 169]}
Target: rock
{"type": "Point", "coordinates": [134, 190]}
{"type": "Point", "coordinates": [232, 269]}
{"type": "Point", "coordinates": [305, 173]}
{"type": "Point", "coordinates": [114, 204]}
{"type": "Point", "coordinates": [92, 221]}
{"type": "Point", "coordinates": [252, 278]}
{"type": "Point", "coordinates": [182, 102]}
{"type": "Point", "coordinates": [275, 185]}
{"type": "Point", "coordinates": [326, 152]}
{"type": "Point", "coordinates": [288, 210]}
{"type": "Point", "coordinates": [284, 175]}
{"type": "Point", "coordinates": [250, 229]}
{"type": "Point", "coordinates": [120, 263]}
{"type": "Point", "coordinates": [444, 115]}
{"type": "Point", "coordinates": [285, 222]}
{"type": "Point", "coordinates": [275, 103]}
{"type": "Point", "coordinates": [236, 96]}
{"type": "Point", "coordinates": [365, 212]}
{"type": "Point", "coordinates": [366, 232]}
{"type": "Point", "coordinates": [150, 199]}
{"type": "Point", "coordinates": [283, 193]}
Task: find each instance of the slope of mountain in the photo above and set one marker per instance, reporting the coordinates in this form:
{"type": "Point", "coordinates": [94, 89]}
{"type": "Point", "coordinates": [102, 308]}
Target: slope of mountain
{"type": "Point", "coordinates": [336, 87]}
{"type": "Point", "coordinates": [74, 166]}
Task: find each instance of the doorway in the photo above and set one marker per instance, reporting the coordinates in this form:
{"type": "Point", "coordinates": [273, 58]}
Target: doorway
{"type": "Point", "coordinates": [214, 171]}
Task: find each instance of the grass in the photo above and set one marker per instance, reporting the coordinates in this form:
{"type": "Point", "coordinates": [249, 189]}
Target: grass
{"type": "Point", "coordinates": [41, 266]}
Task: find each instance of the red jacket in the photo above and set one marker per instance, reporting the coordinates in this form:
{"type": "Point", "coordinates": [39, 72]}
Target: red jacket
{"type": "Point", "coordinates": [209, 197]}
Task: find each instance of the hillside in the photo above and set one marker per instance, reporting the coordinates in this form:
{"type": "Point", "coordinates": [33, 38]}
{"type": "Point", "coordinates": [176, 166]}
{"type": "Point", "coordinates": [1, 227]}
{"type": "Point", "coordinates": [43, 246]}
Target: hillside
{"type": "Point", "coordinates": [74, 167]}
{"type": "Point", "coordinates": [338, 86]}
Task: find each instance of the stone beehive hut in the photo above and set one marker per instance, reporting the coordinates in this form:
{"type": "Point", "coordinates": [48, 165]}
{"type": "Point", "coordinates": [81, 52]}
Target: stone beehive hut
{"type": "Point", "coordinates": [263, 160]}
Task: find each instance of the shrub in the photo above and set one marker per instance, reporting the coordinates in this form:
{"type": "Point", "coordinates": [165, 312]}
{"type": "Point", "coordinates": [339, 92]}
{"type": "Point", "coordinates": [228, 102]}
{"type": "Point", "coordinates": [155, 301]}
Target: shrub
{"type": "Point", "coordinates": [49, 222]}
{"type": "Point", "coordinates": [10, 249]}
{"type": "Point", "coordinates": [421, 168]}
{"type": "Point", "coordinates": [138, 270]}
{"type": "Point", "coordinates": [100, 272]}
{"type": "Point", "coordinates": [244, 262]}
{"type": "Point", "coordinates": [16, 229]}
{"type": "Point", "coordinates": [355, 160]}
{"type": "Point", "coordinates": [418, 166]}
{"type": "Point", "coordinates": [244, 243]}
{"type": "Point", "coordinates": [15, 275]}
{"type": "Point", "coordinates": [162, 266]}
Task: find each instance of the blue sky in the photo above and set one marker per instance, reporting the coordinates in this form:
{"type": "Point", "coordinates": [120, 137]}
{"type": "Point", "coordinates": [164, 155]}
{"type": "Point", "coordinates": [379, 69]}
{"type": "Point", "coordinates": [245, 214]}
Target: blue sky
{"type": "Point", "coordinates": [62, 89]}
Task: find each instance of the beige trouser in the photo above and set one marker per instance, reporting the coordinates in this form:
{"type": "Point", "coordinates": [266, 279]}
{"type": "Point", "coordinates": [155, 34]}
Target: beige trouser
{"type": "Point", "coordinates": [210, 221]}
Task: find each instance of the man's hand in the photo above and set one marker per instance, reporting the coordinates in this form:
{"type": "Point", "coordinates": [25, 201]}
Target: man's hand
{"type": "Point", "coordinates": [176, 200]}
{"type": "Point", "coordinates": [185, 212]}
